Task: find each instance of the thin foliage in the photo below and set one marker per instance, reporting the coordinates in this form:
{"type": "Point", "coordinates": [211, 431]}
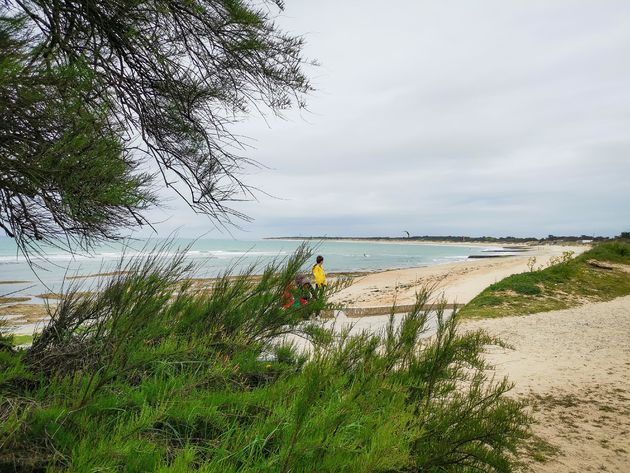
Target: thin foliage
{"type": "Point", "coordinates": [92, 94]}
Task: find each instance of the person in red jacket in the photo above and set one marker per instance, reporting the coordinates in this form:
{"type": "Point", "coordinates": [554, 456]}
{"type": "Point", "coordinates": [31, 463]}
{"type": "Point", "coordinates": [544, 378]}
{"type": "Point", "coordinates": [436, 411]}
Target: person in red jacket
{"type": "Point", "coordinates": [287, 296]}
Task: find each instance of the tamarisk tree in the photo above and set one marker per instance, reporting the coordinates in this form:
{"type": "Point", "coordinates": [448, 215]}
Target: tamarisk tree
{"type": "Point", "coordinates": [93, 92]}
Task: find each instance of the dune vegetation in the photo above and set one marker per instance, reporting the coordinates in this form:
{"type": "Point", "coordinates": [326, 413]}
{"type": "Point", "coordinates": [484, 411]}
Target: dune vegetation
{"type": "Point", "coordinates": [138, 376]}
{"type": "Point", "coordinates": [599, 274]}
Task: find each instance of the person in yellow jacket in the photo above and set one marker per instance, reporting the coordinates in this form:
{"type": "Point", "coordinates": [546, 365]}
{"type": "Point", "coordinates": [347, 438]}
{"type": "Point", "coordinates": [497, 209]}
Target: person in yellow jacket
{"type": "Point", "coordinates": [319, 274]}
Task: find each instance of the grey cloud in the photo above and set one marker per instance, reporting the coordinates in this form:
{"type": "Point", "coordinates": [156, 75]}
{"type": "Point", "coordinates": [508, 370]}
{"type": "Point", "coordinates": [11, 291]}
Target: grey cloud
{"type": "Point", "coordinates": [485, 117]}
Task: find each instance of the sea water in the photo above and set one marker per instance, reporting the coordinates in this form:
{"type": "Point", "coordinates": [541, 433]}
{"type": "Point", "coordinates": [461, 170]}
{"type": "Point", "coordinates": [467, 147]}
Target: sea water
{"type": "Point", "coordinates": [47, 271]}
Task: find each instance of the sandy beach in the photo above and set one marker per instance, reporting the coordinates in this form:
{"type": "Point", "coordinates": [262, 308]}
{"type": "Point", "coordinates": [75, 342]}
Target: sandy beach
{"type": "Point", "coordinates": [457, 282]}
{"type": "Point", "coordinates": [573, 366]}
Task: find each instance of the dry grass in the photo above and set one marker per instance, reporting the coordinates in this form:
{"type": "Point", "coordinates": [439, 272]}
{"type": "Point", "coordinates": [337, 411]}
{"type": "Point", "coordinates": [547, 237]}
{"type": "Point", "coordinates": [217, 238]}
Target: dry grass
{"type": "Point", "coordinates": [29, 312]}
{"type": "Point", "coordinates": [588, 419]}
{"type": "Point", "coordinates": [12, 300]}
{"type": "Point", "coordinates": [55, 295]}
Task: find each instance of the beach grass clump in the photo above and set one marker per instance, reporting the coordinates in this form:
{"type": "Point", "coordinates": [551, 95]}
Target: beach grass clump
{"type": "Point", "coordinates": [616, 252]}
{"type": "Point", "coordinates": [599, 274]}
{"type": "Point", "coordinates": [138, 376]}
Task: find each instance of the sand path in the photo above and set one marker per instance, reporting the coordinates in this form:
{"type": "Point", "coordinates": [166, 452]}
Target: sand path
{"type": "Point", "coordinates": [575, 366]}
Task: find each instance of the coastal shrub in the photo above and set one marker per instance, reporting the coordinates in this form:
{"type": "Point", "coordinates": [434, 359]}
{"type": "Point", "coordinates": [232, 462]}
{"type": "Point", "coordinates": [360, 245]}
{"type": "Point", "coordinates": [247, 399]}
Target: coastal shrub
{"type": "Point", "coordinates": [531, 264]}
{"type": "Point", "coordinates": [526, 283]}
{"type": "Point", "coordinates": [615, 252]}
{"type": "Point", "coordinates": [150, 374]}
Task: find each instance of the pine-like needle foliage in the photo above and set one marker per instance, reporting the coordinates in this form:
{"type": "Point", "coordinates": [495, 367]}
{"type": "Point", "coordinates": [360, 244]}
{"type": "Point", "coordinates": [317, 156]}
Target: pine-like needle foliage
{"type": "Point", "coordinates": [149, 375]}
{"type": "Point", "coordinates": [91, 90]}
{"type": "Point", "coordinates": [62, 167]}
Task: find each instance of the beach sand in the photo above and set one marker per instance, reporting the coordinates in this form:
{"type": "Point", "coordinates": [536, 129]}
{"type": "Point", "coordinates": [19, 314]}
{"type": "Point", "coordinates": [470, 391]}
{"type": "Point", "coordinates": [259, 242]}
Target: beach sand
{"type": "Point", "coordinates": [574, 367]}
{"type": "Point", "coordinates": [457, 282]}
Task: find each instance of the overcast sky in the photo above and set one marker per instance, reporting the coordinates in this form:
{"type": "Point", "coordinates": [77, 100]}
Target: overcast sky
{"type": "Point", "coordinates": [447, 117]}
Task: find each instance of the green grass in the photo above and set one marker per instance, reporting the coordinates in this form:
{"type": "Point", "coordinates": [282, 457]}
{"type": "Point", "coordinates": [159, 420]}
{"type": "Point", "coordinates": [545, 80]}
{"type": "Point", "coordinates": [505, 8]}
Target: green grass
{"type": "Point", "coordinates": [134, 379]}
{"type": "Point", "coordinates": [22, 339]}
{"type": "Point", "coordinates": [560, 286]}
{"type": "Point", "coordinates": [615, 252]}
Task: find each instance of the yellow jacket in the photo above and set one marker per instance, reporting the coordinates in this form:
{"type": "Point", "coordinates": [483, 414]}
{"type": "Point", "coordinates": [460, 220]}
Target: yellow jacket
{"type": "Point", "coordinates": [319, 275]}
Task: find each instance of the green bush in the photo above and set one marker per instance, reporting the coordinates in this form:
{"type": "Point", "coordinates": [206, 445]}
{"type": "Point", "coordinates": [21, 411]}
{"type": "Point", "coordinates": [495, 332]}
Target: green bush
{"type": "Point", "coordinates": [615, 251]}
{"type": "Point", "coordinates": [525, 283]}
{"type": "Point", "coordinates": [150, 375]}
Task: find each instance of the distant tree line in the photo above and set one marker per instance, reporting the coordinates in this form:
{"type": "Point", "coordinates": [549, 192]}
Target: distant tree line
{"type": "Point", "coordinates": [474, 239]}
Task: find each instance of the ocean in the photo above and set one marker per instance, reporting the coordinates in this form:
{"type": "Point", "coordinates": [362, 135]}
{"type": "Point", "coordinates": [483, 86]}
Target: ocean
{"type": "Point", "coordinates": [212, 257]}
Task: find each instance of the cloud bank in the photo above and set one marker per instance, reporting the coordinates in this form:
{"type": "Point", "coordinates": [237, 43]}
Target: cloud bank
{"type": "Point", "coordinates": [473, 118]}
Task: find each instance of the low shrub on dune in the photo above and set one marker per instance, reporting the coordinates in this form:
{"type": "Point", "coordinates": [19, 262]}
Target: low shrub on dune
{"type": "Point", "coordinates": [147, 374]}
